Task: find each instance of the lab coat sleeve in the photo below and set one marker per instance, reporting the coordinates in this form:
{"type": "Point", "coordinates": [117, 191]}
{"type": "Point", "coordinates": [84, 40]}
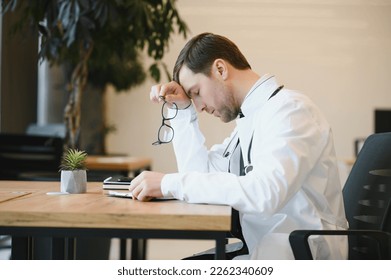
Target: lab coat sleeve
{"type": "Point", "coordinates": [189, 145]}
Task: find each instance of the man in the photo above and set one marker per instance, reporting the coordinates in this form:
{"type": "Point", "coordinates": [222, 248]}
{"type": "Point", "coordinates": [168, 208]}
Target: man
{"type": "Point", "coordinates": [278, 167]}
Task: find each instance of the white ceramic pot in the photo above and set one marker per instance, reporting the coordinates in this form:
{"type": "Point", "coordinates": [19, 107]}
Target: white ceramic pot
{"type": "Point", "coordinates": [73, 181]}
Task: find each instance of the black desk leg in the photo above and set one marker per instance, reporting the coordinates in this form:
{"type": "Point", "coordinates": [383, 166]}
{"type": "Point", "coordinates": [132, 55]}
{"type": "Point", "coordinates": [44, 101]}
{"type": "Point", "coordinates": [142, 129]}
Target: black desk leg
{"type": "Point", "coordinates": [58, 248]}
{"type": "Point", "coordinates": [122, 249]}
{"type": "Point", "coordinates": [220, 249]}
{"type": "Point", "coordinates": [139, 249]}
{"type": "Point", "coordinates": [21, 248]}
{"type": "Point", "coordinates": [70, 249]}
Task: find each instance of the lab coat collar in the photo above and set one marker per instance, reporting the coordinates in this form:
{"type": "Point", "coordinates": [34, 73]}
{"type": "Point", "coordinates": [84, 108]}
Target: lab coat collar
{"type": "Point", "coordinates": [254, 100]}
{"type": "Point", "coordinates": [259, 94]}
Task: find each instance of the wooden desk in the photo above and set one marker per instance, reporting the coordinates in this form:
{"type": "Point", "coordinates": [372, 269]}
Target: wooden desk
{"type": "Point", "coordinates": [126, 166]}
{"type": "Point", "coordinates": [95, 214]}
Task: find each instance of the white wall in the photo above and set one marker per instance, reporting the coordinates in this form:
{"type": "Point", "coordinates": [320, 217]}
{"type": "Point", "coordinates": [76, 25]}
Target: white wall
{"type": "Point", "coordinates": [335, 51]}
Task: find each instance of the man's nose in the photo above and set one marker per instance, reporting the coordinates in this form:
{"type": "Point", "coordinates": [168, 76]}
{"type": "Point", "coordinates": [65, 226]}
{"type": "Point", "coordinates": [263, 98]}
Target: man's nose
{"type": "Point", "coordinates": [199, 105]}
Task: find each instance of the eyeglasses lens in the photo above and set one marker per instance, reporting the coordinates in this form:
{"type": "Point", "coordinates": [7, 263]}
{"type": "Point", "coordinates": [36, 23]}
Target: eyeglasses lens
{"type": "Point", "coordinates": [166, 133]}
{"type": "Point", "coordinates": [168, 114]}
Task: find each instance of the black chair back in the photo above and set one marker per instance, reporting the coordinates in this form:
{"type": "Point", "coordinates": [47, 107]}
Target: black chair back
{"type": "Point", "coordinates": [367, 194]}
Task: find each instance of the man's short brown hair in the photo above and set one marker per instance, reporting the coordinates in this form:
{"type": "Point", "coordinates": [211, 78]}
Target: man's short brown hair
{"type": "Point", "coordinates": [202, 50]}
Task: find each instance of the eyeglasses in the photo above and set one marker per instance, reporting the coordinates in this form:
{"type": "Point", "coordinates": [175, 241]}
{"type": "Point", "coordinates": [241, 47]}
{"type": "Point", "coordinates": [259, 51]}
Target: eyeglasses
{"type": "Point", "coordinates": [166, 132]}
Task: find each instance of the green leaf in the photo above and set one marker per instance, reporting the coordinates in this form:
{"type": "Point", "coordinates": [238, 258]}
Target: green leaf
{"type": "Point", "coordinates": [121, 31]}
{"type": "Point", "coordinates": [155, 72]}
{"type": "Point", "coordinates": [10, 6]}
{"type": "Point", "coordinates": [74, 159]}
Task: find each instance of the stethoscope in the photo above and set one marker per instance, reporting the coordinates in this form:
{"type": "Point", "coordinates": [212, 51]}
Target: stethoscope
{"type": "Point", "coordinates": [249, 167]}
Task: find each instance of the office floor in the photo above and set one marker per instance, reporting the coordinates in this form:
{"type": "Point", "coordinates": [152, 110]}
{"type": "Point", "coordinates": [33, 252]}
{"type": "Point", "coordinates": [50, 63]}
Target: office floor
{"type": "Point", "coordinates": [4, 253]}
{"type": "Point", "coordinates": [157, 249]}
{"type": "Point", "coordinates": [167, 249]}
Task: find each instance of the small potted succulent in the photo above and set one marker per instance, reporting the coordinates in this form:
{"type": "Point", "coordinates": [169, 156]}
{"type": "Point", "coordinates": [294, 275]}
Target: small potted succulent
{"type": "Point", "coordinates": [74, 171]}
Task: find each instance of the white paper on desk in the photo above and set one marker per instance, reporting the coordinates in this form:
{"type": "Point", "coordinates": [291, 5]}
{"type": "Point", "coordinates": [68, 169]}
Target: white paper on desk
{"type": "Point", "coordinates": [120, 194]}
{"type": "Point", "coordinates": [129, 195]}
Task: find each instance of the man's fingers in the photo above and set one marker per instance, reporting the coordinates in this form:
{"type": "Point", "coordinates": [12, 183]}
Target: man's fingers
{"type": "Point", "coordinates": [146, 185]}
{"type": "Point", "coordinates": [154, 94]}
{"type": "Point", "coordinates": [143, 197]}
{"type": "Point", "coordinates": [141, 193]}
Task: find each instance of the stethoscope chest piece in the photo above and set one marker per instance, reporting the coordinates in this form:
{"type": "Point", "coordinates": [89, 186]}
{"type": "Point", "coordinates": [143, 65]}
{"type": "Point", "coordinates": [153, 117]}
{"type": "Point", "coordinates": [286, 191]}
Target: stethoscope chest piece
{"type": "Point", "coordinates": [248, 169]}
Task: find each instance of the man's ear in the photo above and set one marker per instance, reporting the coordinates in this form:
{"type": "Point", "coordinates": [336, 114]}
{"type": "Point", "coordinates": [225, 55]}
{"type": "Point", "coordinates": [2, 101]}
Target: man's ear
{"type": "Point", "coordinates": [220, 68]}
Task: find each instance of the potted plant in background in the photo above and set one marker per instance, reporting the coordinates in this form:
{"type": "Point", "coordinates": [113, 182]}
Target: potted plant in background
{"type": "Point", "coordinates": [74, 171]}
{"type": "Point", "coordinates": [101, 42]}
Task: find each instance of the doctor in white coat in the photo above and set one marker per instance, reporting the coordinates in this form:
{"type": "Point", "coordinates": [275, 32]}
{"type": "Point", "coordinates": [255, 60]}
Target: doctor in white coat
{"type": "Point", "coordinates": [278, 168]}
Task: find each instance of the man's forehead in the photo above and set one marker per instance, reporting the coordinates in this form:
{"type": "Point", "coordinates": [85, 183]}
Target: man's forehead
{"type": "Point", "coordinates": [187, 78]}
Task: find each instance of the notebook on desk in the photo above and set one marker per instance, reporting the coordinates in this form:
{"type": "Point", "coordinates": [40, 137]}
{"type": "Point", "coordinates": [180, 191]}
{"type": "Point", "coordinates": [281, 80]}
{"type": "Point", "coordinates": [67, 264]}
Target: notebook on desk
{"type": "Point", "coordinates": [117, 183]}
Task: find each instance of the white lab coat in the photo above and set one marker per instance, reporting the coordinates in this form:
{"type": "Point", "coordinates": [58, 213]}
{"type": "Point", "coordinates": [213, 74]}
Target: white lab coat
{"type": "Point", "coordinates": [294, 183]}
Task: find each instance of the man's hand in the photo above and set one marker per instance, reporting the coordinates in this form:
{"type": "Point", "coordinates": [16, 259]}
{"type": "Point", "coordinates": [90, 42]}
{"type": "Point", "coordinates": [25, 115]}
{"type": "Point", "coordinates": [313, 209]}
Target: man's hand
{"type": "Point", "coordinates": [146, 186]}
{"type": "Point", "coordinates": [171, 92]}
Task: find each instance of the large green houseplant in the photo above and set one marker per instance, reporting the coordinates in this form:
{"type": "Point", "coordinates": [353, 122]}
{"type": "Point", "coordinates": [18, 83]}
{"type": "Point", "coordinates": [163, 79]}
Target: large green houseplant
{"type": "Point", "coordinates": [101, 41]}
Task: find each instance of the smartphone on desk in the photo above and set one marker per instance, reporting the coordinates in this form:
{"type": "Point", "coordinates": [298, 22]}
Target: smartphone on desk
{"type": "Point", "coordinates": [117, 182]}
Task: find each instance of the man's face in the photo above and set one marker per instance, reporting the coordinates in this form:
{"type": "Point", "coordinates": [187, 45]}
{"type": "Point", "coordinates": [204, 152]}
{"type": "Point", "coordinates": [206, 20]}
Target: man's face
{"type": "Point", "coordinates": [210, 94]}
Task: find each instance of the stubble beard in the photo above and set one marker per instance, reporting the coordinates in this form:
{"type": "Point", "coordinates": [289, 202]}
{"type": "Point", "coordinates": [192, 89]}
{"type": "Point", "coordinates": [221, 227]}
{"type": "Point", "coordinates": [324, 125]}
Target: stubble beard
{"type": "Point", "coordinates": [230, 112]}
